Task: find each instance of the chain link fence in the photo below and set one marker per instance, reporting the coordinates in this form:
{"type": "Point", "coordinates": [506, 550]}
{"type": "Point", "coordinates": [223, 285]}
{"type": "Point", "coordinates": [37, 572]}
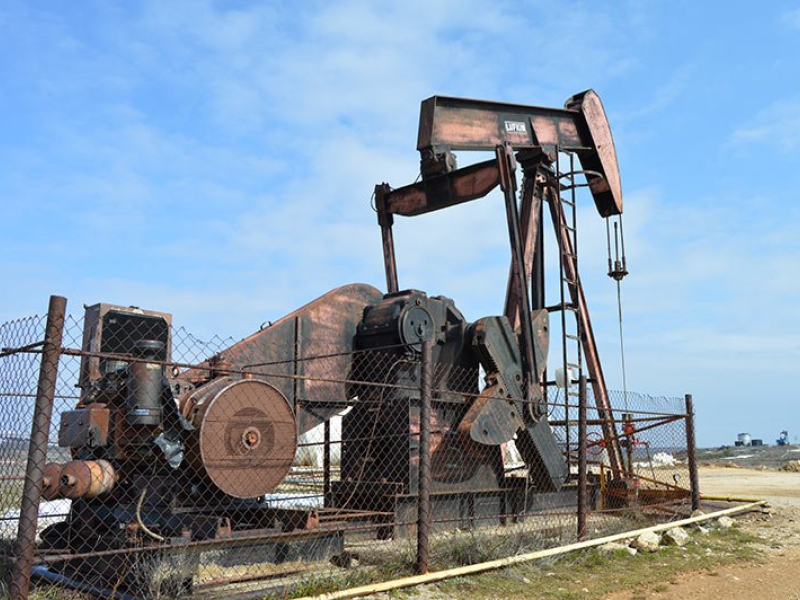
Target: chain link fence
{"type": "Point", "coordinates": [176, 467]}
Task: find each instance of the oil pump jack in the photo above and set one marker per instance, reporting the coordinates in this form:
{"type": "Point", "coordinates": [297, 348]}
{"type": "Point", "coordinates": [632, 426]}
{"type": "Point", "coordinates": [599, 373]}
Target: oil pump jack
{"type": "Point", "coordinates": [535, 140]}
{"type": "Point", "coordinates": [195, 453]}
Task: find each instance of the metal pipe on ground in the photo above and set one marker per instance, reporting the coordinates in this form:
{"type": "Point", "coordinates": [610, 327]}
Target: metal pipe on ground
{"type": "Point", "coordinates": [521, 558]}
{"type": "Point", "coordinates": [64, 581]}
{"type": "Point", "coordinates": [729, 499]}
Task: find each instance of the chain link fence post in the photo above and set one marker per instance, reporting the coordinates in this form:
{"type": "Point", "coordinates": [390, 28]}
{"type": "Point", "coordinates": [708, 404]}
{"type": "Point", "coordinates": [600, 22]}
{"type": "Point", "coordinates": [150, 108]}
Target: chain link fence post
{"type": "Point", "coordinates": [582, 473]}
{"type": "Point", "coordinates": [691, 456]}
{"type": "Point", "coordinates": [424, 498]}
{"type": "Point", "coordinates": [37, 452]}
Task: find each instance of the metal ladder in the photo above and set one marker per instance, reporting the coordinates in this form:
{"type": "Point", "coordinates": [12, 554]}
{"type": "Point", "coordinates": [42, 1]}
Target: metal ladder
{"type": "Point", "coordinates": [572, 300]}
{"type": "Point", "coordinates": [571, 335]}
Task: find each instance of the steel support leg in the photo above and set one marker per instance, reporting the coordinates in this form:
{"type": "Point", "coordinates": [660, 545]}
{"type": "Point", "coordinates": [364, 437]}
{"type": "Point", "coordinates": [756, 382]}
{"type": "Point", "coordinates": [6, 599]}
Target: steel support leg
{"type": "Point", "coordinates": [424, 498]}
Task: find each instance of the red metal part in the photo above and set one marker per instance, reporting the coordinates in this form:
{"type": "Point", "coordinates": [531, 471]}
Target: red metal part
{"type": "Point", "coordinates": [246, 438]}
{"type": "Point", "coordinates": [508, 182]}
{"type": "Point", "coordinates": [445, 190]}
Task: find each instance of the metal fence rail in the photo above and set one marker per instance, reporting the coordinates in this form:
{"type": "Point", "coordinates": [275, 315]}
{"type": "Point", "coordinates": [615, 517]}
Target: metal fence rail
{"type": "Point", "coordinates": [170, 470]}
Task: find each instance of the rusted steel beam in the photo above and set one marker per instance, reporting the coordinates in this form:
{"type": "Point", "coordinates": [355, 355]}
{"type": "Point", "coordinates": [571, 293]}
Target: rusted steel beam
{"type": "Point", "coordinates": [386, 220]}
{"type": "Point", "coordinates": [659, 419]}
{"type": "Point", "coordinates": [535, 165]}
{"type": "Point", "coordinates": [435, 193]}
{"type": "Point", "coordinates": [466, 124]}
{"type": "Point", "coordinates": [600, 165]}
{"type": "Point", "coordinates": [508, 183]}
{"type": "Point", "coordinates": [529, 222]}
{"type": "Point", "coordinates": [37, 450]}
{"type": "Point", "coordinates": [462, 124]}
{"type": "Point", "coordinates": [660, 423]}
{"type": "Point", "coordinates": [589, 344]}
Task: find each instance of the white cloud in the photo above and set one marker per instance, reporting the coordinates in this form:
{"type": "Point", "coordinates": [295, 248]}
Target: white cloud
{"type": "Point", "coordinates": [777, 126]}
{"type": "Point", "coordinates": [791, 18]}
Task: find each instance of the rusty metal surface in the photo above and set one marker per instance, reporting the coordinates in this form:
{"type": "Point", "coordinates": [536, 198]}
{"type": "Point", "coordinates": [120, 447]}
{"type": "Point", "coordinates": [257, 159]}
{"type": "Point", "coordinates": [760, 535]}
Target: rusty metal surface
{"type": "Point", "coordinates": [94, 317]}
{"type": "Point", "coordinates": [491, 419]}
{"type": "Point", "coordinates": [86, 426]}
{"type": "Point", "coordinates": [444, 190]}
{"type": "Point", "coordinates": [328, 326]}
{"type": "Point", "coordinates": [246, 435]}
{"type": "Point", "coordinates": [497, 414]}
{"type": "Point", "coordinates": [86, 479]}
{"type": "Point", "coordinates": [463, 124]}
{"type": "Point", "coordinates": [508, 183]}
{"type": "Point", "coordinates": [606, 189]}
{"type": "Point", "coordinates": [424, 513]}
{"type": "Point", "coordinates": [386, 220]}
{"type": "Point", "coordinates": [691, 454]}
{"type": "Point", "coordinates": [529, 221]}
{"type": "Point", "coordinates": [51, 480]}
{"type": "Point", "coordinates": [583, 476]}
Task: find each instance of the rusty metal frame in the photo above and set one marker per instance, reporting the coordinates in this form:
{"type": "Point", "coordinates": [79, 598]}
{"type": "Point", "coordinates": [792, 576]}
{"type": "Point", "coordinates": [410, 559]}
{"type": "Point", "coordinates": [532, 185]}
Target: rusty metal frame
{"type": "Point", "coordinates": [536, 135]}
{"type": "Point", "coordinates": [448, 124]}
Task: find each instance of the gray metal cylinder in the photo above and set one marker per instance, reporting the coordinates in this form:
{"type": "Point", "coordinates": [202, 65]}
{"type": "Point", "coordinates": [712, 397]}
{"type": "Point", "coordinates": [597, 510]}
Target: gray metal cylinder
{"type": "Point", "coordinates": [143, 398]}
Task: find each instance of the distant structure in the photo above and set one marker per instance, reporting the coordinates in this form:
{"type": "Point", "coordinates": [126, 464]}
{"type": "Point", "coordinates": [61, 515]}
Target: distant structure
{"type": "Point", "coordinates": [743, 439]}
{"type": "Point", "coordinates": [783, 440]}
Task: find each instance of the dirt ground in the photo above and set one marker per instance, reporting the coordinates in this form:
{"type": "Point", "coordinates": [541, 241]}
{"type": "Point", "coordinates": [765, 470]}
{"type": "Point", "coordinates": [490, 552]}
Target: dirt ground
{"type": "Point", "coordinates": [776, 574]}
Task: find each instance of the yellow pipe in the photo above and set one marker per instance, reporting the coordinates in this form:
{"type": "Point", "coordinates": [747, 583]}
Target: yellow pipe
{"type": "Point", "coordinates": [513, 560]}
{"type": "Point", "coordinates": [729, 499]}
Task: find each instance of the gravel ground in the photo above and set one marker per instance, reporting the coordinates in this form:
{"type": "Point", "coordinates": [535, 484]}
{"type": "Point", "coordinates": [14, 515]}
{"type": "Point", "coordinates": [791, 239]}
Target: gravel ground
{"type": "Point", "coordinates": [776, 574]}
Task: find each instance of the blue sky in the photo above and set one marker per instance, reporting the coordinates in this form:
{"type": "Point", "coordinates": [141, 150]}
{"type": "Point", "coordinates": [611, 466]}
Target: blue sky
{"type": "Point", "coordinates": [216, 160]}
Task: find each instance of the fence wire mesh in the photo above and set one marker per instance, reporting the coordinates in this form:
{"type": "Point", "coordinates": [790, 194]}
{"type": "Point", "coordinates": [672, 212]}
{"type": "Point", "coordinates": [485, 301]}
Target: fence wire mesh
{"type": "Point", "coordinates": [180, 467]}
